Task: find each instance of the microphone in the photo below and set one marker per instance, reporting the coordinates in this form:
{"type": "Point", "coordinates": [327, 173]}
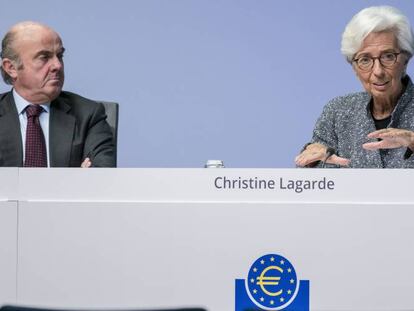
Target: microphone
{"type": "Point", "coordinates": [329, 152]}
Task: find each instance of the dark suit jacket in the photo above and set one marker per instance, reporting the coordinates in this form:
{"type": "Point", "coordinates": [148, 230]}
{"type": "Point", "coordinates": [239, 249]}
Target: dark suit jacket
{"type": "Point", "coordinates": [77, 129]}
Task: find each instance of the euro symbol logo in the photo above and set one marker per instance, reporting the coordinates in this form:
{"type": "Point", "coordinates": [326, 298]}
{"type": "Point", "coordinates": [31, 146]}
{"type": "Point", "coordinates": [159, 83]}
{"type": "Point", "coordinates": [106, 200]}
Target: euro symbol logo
{"type": "Point", "coordinates": [264, 280]}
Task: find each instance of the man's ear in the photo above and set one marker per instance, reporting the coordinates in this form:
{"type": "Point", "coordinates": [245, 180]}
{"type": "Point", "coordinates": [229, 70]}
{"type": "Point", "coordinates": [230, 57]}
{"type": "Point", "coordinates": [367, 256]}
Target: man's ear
{"type": "Point", "coordinates": [10, 67]}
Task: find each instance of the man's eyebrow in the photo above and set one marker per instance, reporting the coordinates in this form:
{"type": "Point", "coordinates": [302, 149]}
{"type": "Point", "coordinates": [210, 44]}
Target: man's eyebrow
{"type": "Point", "coordinates": [43, 52]}
{"type": "Point", "coordinates": [48, 52]}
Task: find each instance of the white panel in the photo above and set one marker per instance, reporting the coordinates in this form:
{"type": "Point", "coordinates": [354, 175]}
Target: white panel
{"type": "Point", "coordinates": [8, 252]}
{"type": "Point", "coordinates": [131, 255]}
{"type": "Point", "coordinates": [8, 183]}
{"type": "Point", "coordinates": [199, 185]}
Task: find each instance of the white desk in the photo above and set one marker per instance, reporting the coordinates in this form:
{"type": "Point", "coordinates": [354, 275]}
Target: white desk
{"type": "Point", "coordinates": [135, 238]}
{"type": "Point", "coordinates": [8, 234]}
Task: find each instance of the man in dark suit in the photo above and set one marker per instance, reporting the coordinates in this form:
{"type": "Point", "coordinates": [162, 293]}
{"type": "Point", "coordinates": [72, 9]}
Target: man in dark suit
{"type": "Point", "coordinates": [74, 131]}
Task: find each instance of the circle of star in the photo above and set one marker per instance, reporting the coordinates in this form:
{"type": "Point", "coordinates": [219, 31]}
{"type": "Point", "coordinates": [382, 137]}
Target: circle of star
{"type": "Point", "coordinates": [272, 282]}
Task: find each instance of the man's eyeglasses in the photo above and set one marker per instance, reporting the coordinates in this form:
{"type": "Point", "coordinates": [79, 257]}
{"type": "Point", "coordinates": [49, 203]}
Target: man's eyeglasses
{"type": "Point", "coordinates": [387, 60]}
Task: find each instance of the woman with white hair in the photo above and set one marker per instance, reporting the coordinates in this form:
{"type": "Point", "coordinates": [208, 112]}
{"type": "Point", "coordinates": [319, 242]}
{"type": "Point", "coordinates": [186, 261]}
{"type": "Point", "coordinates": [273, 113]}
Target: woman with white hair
{"type": "Point", "coordinates": [375, 128]}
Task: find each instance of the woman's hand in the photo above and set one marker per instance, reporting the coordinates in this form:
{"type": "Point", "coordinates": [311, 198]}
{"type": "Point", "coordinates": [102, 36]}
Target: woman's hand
{"type": "Point", "coordinates": [390, 138]}
{"type": "Point", "coordinates": [318, 152]}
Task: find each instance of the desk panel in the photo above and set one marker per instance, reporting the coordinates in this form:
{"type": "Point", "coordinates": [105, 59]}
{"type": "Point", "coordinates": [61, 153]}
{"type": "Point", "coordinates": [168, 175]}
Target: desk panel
{"type": "Point", "coordinates": [137, 254]}
{"type": "Point", "coordinates": [9, 183]}
{"type": "Point", "coordinates": [217, 185]}
{"type": "Point", "coordinates": [8, 251]}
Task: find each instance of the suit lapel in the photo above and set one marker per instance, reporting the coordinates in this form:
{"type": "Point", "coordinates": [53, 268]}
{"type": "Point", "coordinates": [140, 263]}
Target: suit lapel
{"type": "Point", "coordinates": [10, 134]}
{"type": "Point", "coordinates": [61, 131]}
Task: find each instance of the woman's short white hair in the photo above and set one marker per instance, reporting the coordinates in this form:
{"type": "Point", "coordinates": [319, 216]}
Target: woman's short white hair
{"type": "Point", "coordinates": [376, 19]}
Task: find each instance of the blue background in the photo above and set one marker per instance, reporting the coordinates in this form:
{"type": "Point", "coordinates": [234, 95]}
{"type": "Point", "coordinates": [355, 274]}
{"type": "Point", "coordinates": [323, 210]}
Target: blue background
{"type": "Point", "coordinates": [243, 302]}
{"type": "Point", "coordinates": [242, 81]}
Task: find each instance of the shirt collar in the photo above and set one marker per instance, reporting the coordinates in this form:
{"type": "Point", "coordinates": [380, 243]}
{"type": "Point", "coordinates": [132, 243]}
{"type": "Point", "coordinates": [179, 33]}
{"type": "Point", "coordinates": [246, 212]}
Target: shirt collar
{"type": "Point", "coordinates": [21, 103]}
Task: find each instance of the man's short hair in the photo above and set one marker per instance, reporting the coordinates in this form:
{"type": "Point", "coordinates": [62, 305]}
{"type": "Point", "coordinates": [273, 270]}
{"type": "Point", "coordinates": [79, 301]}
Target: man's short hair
{"type": "Point", "coordinates": [7, 51]}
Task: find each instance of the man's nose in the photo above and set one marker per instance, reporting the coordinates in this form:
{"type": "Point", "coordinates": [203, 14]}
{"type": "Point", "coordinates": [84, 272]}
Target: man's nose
{"type": "Point", "coordinates": [57, 63]}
